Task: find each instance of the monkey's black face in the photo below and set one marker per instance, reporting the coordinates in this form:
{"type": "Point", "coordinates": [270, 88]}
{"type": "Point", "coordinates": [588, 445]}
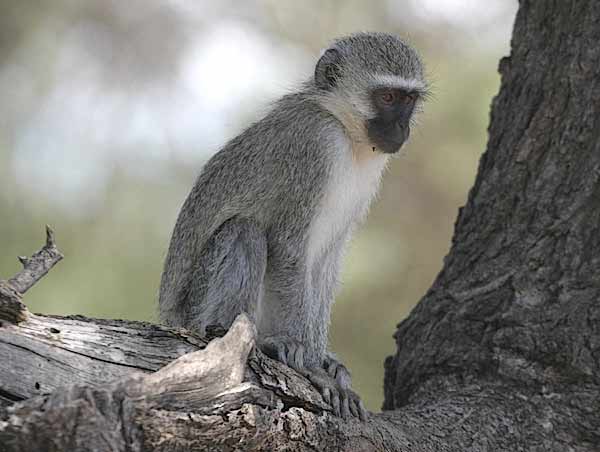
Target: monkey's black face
{"type": "Point", "coordinates": [390, 128]}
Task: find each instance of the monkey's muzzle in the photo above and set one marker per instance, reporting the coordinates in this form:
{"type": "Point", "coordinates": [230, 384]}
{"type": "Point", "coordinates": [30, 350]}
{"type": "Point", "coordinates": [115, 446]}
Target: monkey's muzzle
{"type": "Point", "coordinates": [388, 137]}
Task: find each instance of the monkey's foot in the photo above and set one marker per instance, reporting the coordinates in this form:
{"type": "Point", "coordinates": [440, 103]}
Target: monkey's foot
{"type": "Point", "coordinates": [344, 401]}
{"type": "Point", "coordinates": [336, 370]}
{"type": "Point", "coordinates": [332, 381]}
{"type": "Point", "coordinates": [285, 349]}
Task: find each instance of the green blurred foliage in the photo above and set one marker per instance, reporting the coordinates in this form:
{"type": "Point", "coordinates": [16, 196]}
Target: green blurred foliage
{"type": "Point", "coordinates": [114, 247]}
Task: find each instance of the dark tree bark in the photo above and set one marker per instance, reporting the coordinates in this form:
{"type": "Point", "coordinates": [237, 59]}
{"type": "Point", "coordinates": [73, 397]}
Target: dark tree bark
{"type": "Point", "coordinates": [502, 353]}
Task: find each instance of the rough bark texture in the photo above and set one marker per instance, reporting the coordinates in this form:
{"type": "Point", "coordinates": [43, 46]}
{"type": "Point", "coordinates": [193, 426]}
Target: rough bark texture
{"type": "Point", "coordinates": [502, 354]}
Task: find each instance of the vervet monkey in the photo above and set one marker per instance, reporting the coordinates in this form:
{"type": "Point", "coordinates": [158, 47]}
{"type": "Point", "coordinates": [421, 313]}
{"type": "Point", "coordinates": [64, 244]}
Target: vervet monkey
{"type": "Point", "coordinates": [264, 228]}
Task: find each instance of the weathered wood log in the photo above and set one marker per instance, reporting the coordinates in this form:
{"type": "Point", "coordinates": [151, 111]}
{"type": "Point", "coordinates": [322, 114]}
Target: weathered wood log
{"type": "Point", "coordinates": [12, 308]}
{"type": "Point", "coordinates": [51, 352]}
{"type": "Point", "coordinates": [218, 398]}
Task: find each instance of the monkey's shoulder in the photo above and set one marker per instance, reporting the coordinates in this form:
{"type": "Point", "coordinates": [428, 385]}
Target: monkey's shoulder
{"type": "Point", "coordinates": [292, 142]}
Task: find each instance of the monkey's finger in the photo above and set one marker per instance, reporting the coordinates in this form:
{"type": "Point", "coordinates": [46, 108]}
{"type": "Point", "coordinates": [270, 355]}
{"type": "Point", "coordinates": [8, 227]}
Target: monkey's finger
{"type": "Point", "coordinates": [362, 412]}
{"type": "Point", "coordinates": [342, 377]}
{"type": "Point", "coordinates": [281, 353]}
{"type": "Point", "coordinates": [299, 357]}
{"type": "Point", "coordinates": [331, 368]}
{"type": "Point", "coordinates": [354, 408]}
{"type": "Point", "coordinates": [335, 402]}
{"type": "Point", "coordinates": [345, 408]}
{"type": "Point", "coordinates": [326, 393]}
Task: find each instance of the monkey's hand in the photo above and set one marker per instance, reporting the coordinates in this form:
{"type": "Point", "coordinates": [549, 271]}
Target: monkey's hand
{"type": "Point", "coordinates": [344, 401]}
{"type": "Point", "coordinates": [284, 349]}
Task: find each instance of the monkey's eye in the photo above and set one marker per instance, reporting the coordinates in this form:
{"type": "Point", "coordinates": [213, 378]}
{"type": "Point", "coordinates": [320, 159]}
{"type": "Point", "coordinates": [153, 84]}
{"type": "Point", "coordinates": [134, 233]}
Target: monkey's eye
{"type": "Point", "coordinates": [387, 97]}
{"type": "Point", "coordinates": [408, 98]}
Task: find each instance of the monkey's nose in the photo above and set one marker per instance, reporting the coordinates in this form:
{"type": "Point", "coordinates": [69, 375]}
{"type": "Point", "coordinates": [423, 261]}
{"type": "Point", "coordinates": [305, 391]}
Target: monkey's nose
{"type": "Point", "coordinates": [402, 131]}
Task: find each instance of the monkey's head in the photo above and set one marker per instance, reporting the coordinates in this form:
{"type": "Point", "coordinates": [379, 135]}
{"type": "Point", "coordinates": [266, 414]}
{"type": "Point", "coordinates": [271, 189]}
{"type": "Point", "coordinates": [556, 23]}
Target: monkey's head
{"type": "Point", "coordinates": [373, 83]}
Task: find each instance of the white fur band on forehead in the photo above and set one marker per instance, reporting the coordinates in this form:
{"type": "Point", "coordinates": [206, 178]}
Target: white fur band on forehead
{"type": "Point", "coordinates": [397, 81]}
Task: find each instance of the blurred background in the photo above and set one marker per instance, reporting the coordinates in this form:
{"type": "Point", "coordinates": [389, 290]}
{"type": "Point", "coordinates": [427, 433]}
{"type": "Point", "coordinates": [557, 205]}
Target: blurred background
{"type": "Point", "coordinates": [108, 110]}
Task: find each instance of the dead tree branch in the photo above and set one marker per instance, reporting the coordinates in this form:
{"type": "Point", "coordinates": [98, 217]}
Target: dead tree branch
{"type": "Point", "coordinates": [36, 266]}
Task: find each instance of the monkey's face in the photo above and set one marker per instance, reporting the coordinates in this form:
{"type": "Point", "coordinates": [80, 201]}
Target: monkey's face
{"type": "Point", "coordinates": [393, 108]}
{"type": "Point", "coordinates": [372, 83]}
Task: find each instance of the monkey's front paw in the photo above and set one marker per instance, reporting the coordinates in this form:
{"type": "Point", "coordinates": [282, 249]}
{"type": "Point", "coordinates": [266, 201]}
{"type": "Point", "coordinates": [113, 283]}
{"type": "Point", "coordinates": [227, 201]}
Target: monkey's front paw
{"type": "Point", "coordinates": [343, 400]}
{"type": "Point", "coordinates": [285, 349]}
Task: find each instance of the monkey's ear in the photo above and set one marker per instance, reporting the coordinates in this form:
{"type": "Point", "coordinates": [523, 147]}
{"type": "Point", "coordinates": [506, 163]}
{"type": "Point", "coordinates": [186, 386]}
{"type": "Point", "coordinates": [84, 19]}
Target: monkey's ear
{"type": "Point", "coordinates": [328, 69]}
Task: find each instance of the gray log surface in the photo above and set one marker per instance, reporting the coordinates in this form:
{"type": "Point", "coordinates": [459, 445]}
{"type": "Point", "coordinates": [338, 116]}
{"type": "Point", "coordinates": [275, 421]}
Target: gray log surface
{"type": "Point", "coordinates": [502, 353]}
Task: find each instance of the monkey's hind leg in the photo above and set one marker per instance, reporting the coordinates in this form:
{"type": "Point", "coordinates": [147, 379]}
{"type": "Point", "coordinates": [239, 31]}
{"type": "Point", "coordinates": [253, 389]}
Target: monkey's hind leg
{"type": "Point", "coordinates": [229, 277]}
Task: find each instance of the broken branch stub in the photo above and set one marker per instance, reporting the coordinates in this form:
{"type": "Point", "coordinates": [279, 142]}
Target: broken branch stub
{"type": "Point", "coordinates": [36, 266]}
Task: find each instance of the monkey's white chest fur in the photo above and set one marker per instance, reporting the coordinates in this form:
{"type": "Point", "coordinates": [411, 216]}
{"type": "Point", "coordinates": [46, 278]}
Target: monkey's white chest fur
{"type": "Point", "coordinates": [353, 183]}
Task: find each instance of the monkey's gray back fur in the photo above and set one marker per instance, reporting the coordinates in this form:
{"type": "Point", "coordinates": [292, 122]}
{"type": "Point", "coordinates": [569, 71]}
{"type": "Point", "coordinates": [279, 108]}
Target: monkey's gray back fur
{"type": "Point", "coordinates": [264, 227]}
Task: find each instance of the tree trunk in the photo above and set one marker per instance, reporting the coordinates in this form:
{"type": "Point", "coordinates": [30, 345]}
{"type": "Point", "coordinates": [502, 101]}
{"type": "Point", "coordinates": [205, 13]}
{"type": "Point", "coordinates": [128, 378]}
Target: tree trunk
{"type": "Point", "coordinates": [502, 353]}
